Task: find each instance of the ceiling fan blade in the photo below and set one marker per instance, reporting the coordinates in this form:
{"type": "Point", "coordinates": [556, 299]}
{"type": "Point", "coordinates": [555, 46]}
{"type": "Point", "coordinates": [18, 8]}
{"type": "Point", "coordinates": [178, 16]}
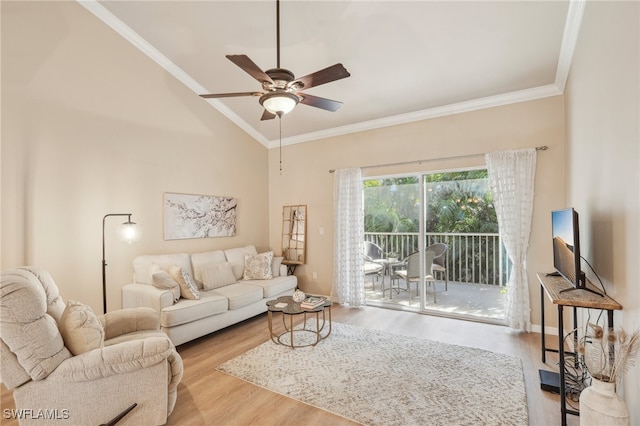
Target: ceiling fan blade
{"type": "Point", "coordinates": [327, 75]}
{"type": "Point", "coordinates": [250, 68]}
{"type": "Point", "coordinates": [231, 95]}
{"type": "Point", "coordinates": [266, 115]}
{"type": "Point", "coordinates": [322, 103]}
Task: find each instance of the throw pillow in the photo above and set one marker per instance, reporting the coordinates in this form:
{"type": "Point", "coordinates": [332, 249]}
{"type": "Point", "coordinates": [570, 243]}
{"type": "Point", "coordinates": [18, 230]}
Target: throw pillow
{"type": "Point", "coordinates": [80, 328]}
{"type": "Point", "coordinates": [258, 266]}
{"type": "Point", "coordinates": [163, 280]}
{"type": "Point", "coordinates": [217, 275]}
{"type": "Point", "coordinates": [236, 257]}
{"type": "Point", "coordinates": [188, 288]}
{"type": "Point", "coordinates": [275, 266]}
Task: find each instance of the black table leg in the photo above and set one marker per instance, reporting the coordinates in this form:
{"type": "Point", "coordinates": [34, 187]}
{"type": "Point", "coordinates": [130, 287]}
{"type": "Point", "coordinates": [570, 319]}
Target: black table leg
{"type": "Point", "coordinates": [544, 346]}
{"type": "Point", "coordinates": [563, 402]}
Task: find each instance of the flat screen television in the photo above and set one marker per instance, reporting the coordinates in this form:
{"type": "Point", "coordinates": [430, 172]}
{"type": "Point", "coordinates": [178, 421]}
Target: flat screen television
{"type": "Point", "coordinates": [566, 248]}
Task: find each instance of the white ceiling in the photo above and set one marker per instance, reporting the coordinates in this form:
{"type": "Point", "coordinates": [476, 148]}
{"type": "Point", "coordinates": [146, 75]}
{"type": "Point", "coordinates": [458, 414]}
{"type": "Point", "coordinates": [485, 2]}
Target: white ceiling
{"type": "Point", "coordinates": [408, 60]}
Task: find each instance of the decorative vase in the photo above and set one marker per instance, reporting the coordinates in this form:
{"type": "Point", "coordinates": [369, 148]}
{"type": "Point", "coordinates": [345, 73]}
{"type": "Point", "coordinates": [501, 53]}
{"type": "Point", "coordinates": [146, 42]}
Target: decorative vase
{"type": "Point", "coordinates": [298, 296]}
{"type": "Point", "coordinates": [601, 405]}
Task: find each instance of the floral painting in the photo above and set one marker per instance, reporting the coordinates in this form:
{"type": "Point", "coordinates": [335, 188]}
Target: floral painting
{"type": "Point", "coordinates": [198, 216]}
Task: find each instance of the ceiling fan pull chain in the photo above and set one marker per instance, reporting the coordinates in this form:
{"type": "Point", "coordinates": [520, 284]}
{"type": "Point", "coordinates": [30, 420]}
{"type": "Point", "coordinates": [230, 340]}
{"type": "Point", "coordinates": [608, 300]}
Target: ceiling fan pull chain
{"type": "Point", "coordinates": [280, 125]}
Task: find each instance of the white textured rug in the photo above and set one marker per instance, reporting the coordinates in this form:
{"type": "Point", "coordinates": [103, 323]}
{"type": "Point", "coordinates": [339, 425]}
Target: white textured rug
{"type": "Point", "coordinates": [379, 378]}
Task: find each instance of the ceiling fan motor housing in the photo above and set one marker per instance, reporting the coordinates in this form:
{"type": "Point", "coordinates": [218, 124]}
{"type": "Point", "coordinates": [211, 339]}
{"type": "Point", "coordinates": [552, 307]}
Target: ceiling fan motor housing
{"type": "Point", "coordinates": [280, 77]}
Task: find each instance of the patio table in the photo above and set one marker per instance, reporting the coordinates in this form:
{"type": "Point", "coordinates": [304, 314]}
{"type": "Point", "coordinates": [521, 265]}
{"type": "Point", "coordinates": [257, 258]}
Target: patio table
{"type": "Point", "coordinates": [389, 265]}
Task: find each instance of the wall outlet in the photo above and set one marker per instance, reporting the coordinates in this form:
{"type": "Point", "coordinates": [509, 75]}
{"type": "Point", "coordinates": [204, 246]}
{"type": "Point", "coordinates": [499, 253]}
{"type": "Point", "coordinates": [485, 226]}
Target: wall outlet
{"type": "Point", "coordinates": [314, 275]}
{"type": "Point", "coordinates": [321, 231]}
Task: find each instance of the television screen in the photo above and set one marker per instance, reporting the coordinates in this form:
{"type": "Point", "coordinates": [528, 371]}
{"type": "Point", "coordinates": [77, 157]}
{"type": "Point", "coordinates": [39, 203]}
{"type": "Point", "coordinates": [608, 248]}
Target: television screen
{"type": "Point", "coordinates": [566, 245]}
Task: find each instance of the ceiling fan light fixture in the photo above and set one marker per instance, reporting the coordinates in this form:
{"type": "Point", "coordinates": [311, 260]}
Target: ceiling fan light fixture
{"type": "Point", "coordinates": [279, 103]}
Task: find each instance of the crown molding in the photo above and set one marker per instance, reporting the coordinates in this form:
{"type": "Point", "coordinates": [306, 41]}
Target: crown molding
{"type": "Point", "coordinates": [441, 111]}
{"type": "Point", "coordinates": [145, 47]}
{"type": "Point", "coordinates": [569, 41]}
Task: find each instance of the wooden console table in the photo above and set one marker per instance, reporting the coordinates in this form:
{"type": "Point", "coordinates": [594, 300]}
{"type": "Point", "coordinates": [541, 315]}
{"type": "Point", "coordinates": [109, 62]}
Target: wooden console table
{"type": "Point", "coordinates": [553, 287]}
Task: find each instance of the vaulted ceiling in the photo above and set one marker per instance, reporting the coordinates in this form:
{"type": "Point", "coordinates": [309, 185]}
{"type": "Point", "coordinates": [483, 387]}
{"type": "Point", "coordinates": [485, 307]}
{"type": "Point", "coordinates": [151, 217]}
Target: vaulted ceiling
{"type": "Point", "coordinates": [408, 60]}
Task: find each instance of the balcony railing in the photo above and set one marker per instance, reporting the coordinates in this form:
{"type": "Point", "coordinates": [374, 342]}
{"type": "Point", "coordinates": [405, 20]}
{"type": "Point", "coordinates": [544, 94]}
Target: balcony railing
{"type": "Point", "coordinates": [471, 258]}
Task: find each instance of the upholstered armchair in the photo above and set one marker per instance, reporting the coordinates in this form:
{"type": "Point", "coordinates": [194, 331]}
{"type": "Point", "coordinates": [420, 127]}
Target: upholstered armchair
{"type": "Point", "coordinates": [67, 365]}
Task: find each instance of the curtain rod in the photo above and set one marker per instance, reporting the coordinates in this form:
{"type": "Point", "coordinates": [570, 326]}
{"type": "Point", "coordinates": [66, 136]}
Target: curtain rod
{"type": "Point", "coordinates": [538, 148]}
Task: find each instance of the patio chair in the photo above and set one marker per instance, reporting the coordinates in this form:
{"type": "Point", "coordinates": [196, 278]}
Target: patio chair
{"type": "Point", "coordinates": [440, 251]}
{"type": "Point", "coordinates": [412, 273]}
{"type": "Point", "coordinates": [372, 268]}
{"type": "Point", "coordinates": [373, 253]}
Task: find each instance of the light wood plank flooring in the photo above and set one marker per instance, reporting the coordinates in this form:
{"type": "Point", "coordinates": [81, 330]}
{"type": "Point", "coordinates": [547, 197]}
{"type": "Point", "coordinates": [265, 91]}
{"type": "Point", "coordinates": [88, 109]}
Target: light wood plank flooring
{"type": "Point", "coordinates": [208, 397]}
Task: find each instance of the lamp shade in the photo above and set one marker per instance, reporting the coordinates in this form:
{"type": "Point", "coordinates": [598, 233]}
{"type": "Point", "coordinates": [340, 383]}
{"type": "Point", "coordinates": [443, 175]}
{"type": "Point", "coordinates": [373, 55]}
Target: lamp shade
{"type": "Point", "coordinates": [129, 232]}
{"type": "Point", "coordinates": [279, 103]}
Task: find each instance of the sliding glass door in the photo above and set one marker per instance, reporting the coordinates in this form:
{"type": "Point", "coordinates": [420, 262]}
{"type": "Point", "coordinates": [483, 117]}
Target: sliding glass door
{"type": "Point", "coordinates": [450, 216]}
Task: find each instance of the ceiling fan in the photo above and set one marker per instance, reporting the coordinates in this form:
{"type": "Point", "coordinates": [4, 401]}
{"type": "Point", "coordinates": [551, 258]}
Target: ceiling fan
{"type": "Point", "coordinates": [281, 91]}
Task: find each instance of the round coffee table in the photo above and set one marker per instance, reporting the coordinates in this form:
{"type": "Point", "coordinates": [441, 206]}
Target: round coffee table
{"type": "Point", "coordinates": [289, 308]}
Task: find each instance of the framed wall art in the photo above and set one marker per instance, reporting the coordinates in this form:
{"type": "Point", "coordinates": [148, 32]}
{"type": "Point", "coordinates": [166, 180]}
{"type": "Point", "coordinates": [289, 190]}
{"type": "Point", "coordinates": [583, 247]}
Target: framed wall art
{"type": "Point", "coordinates": [198, 216]}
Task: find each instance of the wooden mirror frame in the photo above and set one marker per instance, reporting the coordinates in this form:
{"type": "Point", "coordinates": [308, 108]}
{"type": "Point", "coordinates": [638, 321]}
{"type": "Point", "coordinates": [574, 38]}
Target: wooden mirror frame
{"type": "Point", "coordinates": [294, 234]}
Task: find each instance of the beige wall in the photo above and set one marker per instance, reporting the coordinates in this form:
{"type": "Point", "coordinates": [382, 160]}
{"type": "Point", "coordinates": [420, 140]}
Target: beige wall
{"type": "Point", "coordinates": [603, 157]}
{"type": "Point", "coordinates": [306, 179]}
{"type": "Point", "coordinates": [91, 126]}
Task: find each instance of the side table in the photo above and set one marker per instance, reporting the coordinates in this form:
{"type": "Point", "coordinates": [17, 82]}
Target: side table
{"type": "Point", "coordinates": [289, 308]}
{"type": "Point", "coordinates": [291, 266]}
{"type": "Point", "coordinates": [555, 289]}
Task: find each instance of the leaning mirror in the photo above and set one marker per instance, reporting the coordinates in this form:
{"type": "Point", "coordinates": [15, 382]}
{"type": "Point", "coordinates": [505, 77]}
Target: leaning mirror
{"type": "Point", "coordinates": [294, 229]}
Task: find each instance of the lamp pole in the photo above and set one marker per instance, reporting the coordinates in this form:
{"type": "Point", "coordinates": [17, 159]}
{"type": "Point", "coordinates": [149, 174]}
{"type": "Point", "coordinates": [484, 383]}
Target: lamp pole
{"type": "Point", "coordinates": [104, 262]}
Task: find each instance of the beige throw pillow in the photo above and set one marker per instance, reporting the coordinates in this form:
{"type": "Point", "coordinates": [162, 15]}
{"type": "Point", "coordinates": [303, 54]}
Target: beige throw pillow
{"type": "Point", "coordinates": [217, 275]}
{"type": "Point", "coordinates": [275, 266]}
{"type": "Point", "coordinates": [163, 280]}
{"type": "Point", "coordinates": [80, 328]}
{"type": "Point", "coordinates": [258, 266]}
{"type": "Point", "coordinates": [188, 288]}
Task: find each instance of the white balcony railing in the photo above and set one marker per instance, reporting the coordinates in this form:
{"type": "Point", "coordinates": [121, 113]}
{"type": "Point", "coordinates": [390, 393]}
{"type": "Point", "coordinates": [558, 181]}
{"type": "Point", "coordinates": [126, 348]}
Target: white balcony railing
{"type": "Point", "coordinates": [471, 258]}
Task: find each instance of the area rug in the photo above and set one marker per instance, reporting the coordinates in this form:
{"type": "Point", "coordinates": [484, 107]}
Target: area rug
{"type": "Point", "coordinates": [379, 378]}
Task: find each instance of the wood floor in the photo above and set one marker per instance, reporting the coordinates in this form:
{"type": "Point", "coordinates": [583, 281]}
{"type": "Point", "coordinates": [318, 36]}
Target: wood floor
{"type": "Point", "coordinates": [208, 397]}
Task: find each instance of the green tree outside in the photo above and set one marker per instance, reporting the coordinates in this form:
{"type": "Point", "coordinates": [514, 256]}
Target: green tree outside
{"type": "Point", "coordinates": [456, 202]}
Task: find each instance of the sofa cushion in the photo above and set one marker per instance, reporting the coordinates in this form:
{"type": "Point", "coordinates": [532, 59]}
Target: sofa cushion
{"type": "Point", "coordinates": [200, 260]}
{"type": "Point", "coordinates": [188, 288]}
{"type": "Point", "coordinates": [186, 311]}
{"type": "Point", "coordinates": [217, 275]}
{"type": "Point", "coordinates": [80, 328]}
{"type": "Point", "coordinates": [275, 286]}
{"type": "Point", "coordinates": [240, 294]}
{"type": "Point", "coordinates": [258, 266]}
{"type": "Point", "coordinates": [143, 265]}
{"type": "Point", "coordinates": [236, 257]}
{"type": "Point", "coordinates": [163, 280]}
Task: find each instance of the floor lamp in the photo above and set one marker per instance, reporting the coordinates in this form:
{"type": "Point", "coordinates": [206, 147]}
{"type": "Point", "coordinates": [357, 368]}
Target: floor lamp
{"type": "Point", "coordinates": [128, 234]}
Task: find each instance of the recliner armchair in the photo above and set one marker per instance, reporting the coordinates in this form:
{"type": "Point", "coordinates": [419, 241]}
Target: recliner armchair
{"type": "Point", "coordinates": [134, 362]}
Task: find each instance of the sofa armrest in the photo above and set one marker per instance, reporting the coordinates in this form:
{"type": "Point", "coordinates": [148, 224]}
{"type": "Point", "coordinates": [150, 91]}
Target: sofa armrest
{"type": "Point", "coordinates": [116, 359]}
{"type": "Point", "coordinates": [130, 320]}
{"type": "Point", "coordinates": [145, 295]}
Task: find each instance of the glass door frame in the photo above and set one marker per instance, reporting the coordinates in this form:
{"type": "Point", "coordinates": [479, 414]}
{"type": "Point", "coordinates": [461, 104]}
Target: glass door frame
{"type": "Point", "coordinates": [423, 306]}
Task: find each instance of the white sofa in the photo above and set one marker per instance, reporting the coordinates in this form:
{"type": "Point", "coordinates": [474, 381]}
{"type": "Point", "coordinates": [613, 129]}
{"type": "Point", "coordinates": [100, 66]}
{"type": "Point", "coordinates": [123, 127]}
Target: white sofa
{"type": "Point", "coordinates": [187, 319]}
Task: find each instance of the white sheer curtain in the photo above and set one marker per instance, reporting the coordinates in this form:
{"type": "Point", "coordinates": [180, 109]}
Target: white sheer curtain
{"type": "Point", "coordinates": [511, 178]}
{"type": "Point", "coordinates": [348, 260]}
